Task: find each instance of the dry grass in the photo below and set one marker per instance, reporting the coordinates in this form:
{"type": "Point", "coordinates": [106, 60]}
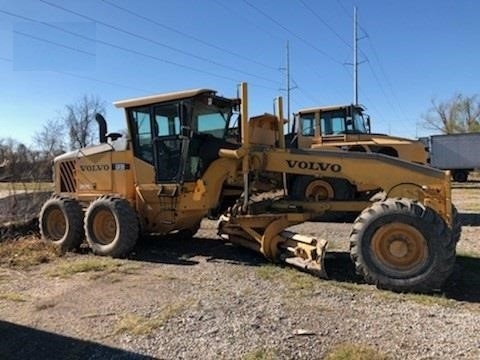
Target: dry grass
{"type": "Point", "coordinates": [260, 354]}
{"type": "Point", "coordinates": [140, 325]}
{"type": "Point", "coordinates": [26, 252]}
{"type": "Point", "coordinates": [349, 351]}
{"type": "Point", "coordinates": [26, 186]}
{"type": "Point", "coordinates": [15, 297]}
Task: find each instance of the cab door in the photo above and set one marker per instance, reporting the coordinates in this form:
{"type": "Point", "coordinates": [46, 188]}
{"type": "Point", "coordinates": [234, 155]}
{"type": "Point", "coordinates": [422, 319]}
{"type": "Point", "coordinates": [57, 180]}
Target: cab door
{"type": "Point", "coordinates": [170, 145]}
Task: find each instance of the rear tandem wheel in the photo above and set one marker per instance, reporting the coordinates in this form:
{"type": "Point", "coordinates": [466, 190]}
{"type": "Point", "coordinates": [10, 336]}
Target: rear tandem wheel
{"type": "Point", "coordinates": [400, 245]}
{"type": "Point", "coordinates": [111, 226]}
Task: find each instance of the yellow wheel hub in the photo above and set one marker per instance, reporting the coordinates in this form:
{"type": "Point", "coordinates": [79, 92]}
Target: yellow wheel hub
{"type": "Point", "coordinates": [400, 247]}
{"type": "Point", "coordinates": [319, 190]}
{"type": "Point", "coordinates": [104, 226]}
{"type": "Point", "coordinates": [56, 224]}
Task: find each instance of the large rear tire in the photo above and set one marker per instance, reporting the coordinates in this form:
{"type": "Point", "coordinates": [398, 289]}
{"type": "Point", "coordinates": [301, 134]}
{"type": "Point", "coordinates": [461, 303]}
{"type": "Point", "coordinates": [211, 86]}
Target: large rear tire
{"type": "Point", "coordinates": [111, 226]}
{"type": "Point", "coordinates": [61, 222]}
{"type": "Point", "coordinates": [401, 245]}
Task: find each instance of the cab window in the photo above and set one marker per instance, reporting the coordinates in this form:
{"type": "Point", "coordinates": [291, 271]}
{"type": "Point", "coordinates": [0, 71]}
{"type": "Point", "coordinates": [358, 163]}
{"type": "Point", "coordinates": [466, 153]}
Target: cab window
{"type": "Point", "coordinates": [142, 143]}
{"type": "Point", "coordinates": [333, 122]}
{"type": "Point", "coordinates": [307, 122]}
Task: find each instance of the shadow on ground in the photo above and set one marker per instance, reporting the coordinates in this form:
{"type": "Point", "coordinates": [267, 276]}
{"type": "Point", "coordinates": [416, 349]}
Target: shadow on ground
{"type": "Point", "coordinates": [22, 342]}
{"type": "Point", "coordinates": [181, 250]}
{"type": "Point", "coordinates": [469, 219]}
{"type": "Point", "coordinates": [463, 285]}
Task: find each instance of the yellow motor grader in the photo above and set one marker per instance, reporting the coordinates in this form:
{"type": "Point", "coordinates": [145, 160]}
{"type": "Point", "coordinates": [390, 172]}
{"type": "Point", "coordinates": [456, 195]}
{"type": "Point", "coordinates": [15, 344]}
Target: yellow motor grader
{"type": "Point", "coordinates": [344, 128]}
{"type": "Point", "coordinates": [193, 153]}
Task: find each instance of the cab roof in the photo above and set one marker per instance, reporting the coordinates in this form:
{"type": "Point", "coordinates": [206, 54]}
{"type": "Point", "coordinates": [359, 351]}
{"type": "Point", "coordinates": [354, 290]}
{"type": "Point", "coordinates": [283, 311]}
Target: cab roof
{"type": "Point", "coordinates": [327, 108]}
{"type": "Point", "coordinates": [152, 99]}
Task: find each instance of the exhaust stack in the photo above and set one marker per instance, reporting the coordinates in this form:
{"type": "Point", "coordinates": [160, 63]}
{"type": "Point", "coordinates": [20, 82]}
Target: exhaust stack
{"type": "Point", "coordinates": [102, 128]}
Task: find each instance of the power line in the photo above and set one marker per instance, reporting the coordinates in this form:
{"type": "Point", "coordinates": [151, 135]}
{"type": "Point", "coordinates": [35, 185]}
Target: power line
{"type": "Point", "coordinates": [89, 78]}
{"type": "Point", "coordinates": [172, 48]}
{"type": "Point", "coordinates": [382, 71]}
{"type": "Point", "coordinates": [247, 19]}
{"type": "Point", "coordinates": [308, 43]}
{"type": "Point", "coordinates": [152, 57]}
{"type": "Point", "coordinates": [53, 43]}
{"type": "Point", "coordinates": [189, 36]}
{"type": "Point", "coordinates": [319, 18]}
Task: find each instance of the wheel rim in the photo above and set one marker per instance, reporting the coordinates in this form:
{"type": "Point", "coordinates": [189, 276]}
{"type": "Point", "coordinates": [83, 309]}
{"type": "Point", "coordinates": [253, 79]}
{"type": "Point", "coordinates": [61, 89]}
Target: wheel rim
{"type": "Point", "coordinates": [104, 226]}
{"type": "Point", "coordinates": [399, 248]}
{"type": "Point", "coordinates": [56, 224]}
{"type": "Point", "coordinates": [319, 190]}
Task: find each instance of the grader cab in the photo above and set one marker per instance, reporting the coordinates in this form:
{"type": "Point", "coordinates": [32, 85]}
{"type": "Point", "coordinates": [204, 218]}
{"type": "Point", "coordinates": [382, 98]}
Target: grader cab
{"type": "Point", "coordinates": [348, 128]}
{"type": "Point", "coordinates": [194, 153]}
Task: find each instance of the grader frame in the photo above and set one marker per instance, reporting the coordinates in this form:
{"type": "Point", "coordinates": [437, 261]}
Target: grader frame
{"type": "Point", "coordinates": [178, 165]}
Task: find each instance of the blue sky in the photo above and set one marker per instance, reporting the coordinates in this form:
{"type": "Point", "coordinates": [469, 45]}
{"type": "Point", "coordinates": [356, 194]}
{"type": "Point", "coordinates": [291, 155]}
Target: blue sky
{"type": "Point", "coordinates": [55, 51]}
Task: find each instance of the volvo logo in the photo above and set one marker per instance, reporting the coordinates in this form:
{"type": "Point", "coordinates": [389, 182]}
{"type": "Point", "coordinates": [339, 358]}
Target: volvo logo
{"type": "Point", "coordinates": [314, 165]}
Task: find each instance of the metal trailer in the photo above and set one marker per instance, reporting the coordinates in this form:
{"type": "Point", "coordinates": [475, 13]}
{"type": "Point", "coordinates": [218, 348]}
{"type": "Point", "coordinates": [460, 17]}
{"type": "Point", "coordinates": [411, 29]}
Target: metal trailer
{"type": "Point", "coordinates": [459, 153]}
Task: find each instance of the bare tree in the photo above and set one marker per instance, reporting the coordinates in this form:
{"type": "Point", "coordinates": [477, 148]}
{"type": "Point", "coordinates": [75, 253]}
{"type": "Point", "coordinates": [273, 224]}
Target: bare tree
{"type": "Point", "coordinates": [80, 119]}
{"type": "Point", "coordinates": [50, 139]}
{"type": "Point", "coordinates": [460, 114]}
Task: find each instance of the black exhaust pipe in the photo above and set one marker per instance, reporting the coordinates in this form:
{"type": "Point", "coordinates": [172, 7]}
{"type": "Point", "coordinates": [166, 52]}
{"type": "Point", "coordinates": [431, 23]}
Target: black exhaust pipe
{"type": "Point", "coordinates": [102, 128]}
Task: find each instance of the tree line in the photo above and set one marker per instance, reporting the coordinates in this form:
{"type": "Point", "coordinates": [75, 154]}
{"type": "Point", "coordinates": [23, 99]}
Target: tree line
{"type": "Point", "coordinates": [73, 129]}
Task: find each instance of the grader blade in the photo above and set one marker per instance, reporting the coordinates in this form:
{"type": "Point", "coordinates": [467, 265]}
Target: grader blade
{"type": "Point", "coordinates": [266, 234]}
{"type": "Point", "coordinates": [307, 254]}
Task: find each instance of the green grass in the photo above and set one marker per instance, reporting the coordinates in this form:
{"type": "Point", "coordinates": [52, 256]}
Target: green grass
{"type": "Point", "coordinates": [260, 354]}
{"type": "Point", "coordinates": [94, 266]}
{"type": "Point", "coordinates": [292, 278]}
{"type": "Point", "coordinates": [269, 272]}
{"type": "Point", "coordinates": [349, 351]}
{"type": "Point", "coordinates": [430, 300]}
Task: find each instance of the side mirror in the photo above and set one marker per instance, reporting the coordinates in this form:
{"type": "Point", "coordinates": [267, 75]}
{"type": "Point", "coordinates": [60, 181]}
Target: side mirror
{"type": "Point", "coordinates": [368, 124]}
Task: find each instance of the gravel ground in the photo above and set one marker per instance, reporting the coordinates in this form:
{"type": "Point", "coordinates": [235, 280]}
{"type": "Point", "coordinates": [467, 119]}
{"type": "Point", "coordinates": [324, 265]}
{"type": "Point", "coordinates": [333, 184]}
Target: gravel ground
{"type": "Point", "coordinates": [185, 299]}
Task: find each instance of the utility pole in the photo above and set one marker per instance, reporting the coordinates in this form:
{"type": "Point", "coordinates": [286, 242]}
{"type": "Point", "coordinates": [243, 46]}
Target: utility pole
{"type": "Point", "coordinates": [288, 87]}
{"type": "Point", "coordinates": [287, 70]}
{"type": "Point", "coordinates": [355, 57]}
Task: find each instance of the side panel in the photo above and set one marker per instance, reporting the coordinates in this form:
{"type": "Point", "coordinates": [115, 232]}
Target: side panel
{"type": "Point", "coordinates": [105, 172]}
{"type": "Point", "coordinates": [458, 151]}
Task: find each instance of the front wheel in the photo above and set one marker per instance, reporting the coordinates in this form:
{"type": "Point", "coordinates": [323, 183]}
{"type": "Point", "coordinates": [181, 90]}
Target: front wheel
{"type": "Point", "coordinates": [401, 245]}
{"type": "Point", "coordinates": [111, 226]}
